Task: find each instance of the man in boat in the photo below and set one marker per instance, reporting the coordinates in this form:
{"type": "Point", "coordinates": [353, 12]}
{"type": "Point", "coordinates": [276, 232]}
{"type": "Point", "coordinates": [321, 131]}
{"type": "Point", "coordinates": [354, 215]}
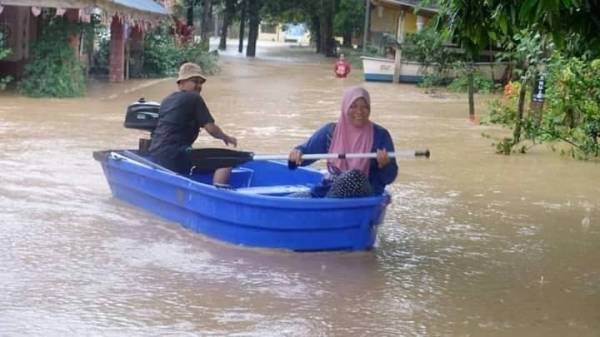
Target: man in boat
{"type": "Point", "coordinates": [181, 116]}
{"type": "Point", "coordinates": [341, 67]}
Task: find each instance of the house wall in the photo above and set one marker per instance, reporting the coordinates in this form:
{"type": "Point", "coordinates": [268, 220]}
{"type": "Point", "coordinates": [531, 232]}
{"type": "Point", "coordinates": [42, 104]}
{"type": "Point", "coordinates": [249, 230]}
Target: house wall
{"type": "Point", "coordinates": [385, 20]}
{"type": "Point", "coordinates": [22, 27]}
{"type": "Point", "coordinates": [270, 32]}
{"type": "Point", "coordinates": [19, 26]}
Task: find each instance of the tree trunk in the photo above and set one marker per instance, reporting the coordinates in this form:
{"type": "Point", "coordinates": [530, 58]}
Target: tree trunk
{"type": "Point", "coordinates": [253, 25]}
{"type": "Point", "coordinates": [521, 107]}
{"type": "Point", "coordinates": [190, 12]}
{"type": "Point", "coordinates": [507, 75]}
{"type": "Point", "coordinates": [206, 15]}
{"type": "Point", "coordinates": [227, 15]}
{"type": "Point", "coordinates": [471, 92]}
{"type": "Point", "coordinates": [347, 39]}
{"type": "Point", "coordinates": [243, 9]}
{"type": "Point", "coordinates": [316, 33]}
{"type": "Point", "coordinates": [327, 40]}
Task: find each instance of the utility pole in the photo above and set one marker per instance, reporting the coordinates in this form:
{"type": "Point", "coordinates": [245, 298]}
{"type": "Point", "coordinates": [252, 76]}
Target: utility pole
{"type": "Point", "coordinates": [399, 39]}
{"type": "Point", "coordinates": [366, 30]}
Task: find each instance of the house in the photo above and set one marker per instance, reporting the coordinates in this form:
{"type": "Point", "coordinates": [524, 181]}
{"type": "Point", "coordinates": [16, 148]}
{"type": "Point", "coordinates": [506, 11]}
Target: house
{"type": "Point", "coordinates": [127, 19]}
{"type": "Point", "coordinates": [395, 18]}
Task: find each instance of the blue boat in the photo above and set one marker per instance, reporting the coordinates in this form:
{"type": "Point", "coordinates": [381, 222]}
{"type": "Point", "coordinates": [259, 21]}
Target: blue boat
{"type": "Point", "coordinates": [257, 211]}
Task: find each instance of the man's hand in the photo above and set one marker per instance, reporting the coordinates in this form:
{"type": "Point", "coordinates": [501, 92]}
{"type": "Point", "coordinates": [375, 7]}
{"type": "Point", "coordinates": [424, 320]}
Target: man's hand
{"type": "Point", "coordinates": [215, 131]}
{"type": "Point", "coordinates": [228, 140]}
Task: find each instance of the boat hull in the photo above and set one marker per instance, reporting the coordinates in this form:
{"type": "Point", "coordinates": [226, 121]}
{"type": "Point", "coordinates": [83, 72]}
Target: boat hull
{"type": "Point", "coordinates": [382, 70]}
{"type": "Point", "coordinates": [257, 212]}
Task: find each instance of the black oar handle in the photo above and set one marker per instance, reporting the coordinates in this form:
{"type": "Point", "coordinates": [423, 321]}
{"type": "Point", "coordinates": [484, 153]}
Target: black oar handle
{"type": "Point", "coordinates": [423, 153]}
{"type": "Point", "coordinates": [405, 153]}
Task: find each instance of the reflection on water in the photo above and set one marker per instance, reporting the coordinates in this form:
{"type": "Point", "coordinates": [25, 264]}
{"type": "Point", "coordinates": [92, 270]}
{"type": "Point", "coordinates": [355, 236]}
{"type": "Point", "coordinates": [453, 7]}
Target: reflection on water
{"type": "Point", "coordinates": [473, 244]}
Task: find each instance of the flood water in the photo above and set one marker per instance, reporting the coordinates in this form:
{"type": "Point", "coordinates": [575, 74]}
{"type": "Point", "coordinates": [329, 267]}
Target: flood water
{"type": "Point", "coordinates": [474, 243]}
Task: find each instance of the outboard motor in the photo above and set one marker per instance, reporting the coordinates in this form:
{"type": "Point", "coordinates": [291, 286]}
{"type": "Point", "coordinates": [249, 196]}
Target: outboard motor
{"type": "Point", "coordinates": [142, 115]}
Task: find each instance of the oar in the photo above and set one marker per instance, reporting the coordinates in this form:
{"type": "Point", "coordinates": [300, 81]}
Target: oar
{"type": "Point", "coordinates": [213, 158]}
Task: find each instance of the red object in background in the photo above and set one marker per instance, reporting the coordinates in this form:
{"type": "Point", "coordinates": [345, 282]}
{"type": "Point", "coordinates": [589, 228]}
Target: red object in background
{"type": "Point", "coordinates": [342, 68]}
{"type": "Point", "coordinates": [183, 32]}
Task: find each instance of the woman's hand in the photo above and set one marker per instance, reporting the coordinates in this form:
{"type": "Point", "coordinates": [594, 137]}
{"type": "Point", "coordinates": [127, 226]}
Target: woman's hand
{"type": "Point", "coordinates": [382, 158]}
{"type": "Point", "coordinates": [295, 157]}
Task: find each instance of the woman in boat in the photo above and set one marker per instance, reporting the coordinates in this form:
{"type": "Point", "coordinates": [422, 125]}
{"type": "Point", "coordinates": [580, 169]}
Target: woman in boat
{"type": "Point", "coordinates": [353, 133]}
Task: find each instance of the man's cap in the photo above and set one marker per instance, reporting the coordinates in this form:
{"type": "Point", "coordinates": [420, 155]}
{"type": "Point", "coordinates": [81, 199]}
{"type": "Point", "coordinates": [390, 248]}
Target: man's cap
{"type": "Point", "coordinates": [190, 70]}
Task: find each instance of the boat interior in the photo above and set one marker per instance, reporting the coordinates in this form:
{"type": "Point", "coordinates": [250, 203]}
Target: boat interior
{"type": "Point", "coordinates": [260, 177]}
{"type": "Point", "coordinates": [266, 178]}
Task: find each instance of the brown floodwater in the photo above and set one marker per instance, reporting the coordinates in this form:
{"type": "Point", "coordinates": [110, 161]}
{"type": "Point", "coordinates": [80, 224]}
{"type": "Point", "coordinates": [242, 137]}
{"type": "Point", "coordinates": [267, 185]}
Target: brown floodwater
{"type": "Point", "coordinates": [474, 243]}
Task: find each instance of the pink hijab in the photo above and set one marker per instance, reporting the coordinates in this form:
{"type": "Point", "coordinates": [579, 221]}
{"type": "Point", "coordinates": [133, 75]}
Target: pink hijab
{"type": "Point", "coordinates": [348, 138]}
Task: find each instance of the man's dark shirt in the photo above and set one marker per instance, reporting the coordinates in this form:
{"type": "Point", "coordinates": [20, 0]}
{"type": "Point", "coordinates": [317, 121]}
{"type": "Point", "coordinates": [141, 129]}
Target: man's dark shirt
{"type": "Point", "coordinates": [181, 116]}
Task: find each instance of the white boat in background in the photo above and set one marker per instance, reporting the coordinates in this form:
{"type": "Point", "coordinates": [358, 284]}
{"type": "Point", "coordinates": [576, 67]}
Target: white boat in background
{"type": "Point", "coordinates": [382, 70]}
{"type": "Point", "coordinates": [378, 69]}
{"type": "Point", "coordinates": [493, 71]}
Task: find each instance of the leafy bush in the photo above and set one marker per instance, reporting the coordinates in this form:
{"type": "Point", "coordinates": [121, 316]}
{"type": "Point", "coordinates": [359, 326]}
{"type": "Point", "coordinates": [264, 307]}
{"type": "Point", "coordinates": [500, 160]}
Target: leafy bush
{"type": "Point", "coordinates": [432, 80]}
{"type": "Point", "coordinates": [501, 112]}
{"type": "Point", "coordinates": [372, 51]}
{"type": "Point", "coordinates": [428, 48]}
{"type": "Point", "coordinates": [573, 100]}
{"type": "Point", "coordinates": [54, 70]}
{"type": "Point", "coordinates": [163, 55]}
{"type": "Point", "coordinates": [4, 82]}
{"type": "Point", "coordinates": [481, 84]}
{"type": "Point", "coordinates": [196, 53]}
{"type": "Point", "coordinates": [4, 52]}
{"type": "Point", "coordinates": [100, 62]}
{"type": "Point", "coordinates": [571, 112]}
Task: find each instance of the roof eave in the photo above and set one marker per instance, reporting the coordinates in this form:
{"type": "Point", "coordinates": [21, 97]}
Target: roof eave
{"type": "Point", "coordinates": [109, 6]}
{"type": "Point", "coordinates": [398, 3]}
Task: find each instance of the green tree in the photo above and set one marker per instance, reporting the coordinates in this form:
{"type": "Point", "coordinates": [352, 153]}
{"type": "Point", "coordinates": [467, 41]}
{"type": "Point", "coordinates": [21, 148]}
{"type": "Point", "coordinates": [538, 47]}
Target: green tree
{"type": "Point", "coordinates": [4, 52]}
{"type": "Point", "coordinates": [349, 19]}
{"type": "Point", "coordinates": [228, 15]}
{"type": "Point", "coordinates": [428, 47]}
{"type": "Point", "coordinates": [532, 31]}
{"type": "Point", "coordinates": [54, 70]}
{"type": "Point", "coordinates": [205, 26]}
{"type": "Point", "coordinates": [319, 15]}
{"type": "Point", "coordinates": [243, 13]}
{"type": "Point", "coordinates": [254, 18]}
{"type": "Point", "coordinates": [326, 16]}
{"type": "Point", "coordinates": [564, 20]}
{"type": "Point", "coordinates": [471, 23]}
{"type": "Point", "coordinates": [531, 52]}
{"type": "Point", "coordinates": [163, 55]}
{"type": "Point", "coordinates": [574, 105]}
